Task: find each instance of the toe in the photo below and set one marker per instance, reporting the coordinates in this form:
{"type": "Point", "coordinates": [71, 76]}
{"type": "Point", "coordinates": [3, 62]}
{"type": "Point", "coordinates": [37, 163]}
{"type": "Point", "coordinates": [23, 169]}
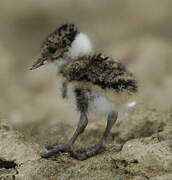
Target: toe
{"type": "Point", "coordinates": [48, 154]}
{"type": "Point", "coordinates": [85, 153]}
{"type": "Point", "coordinates": [49, 147]}
{"type": "Point", "coordinates": [79, 156]}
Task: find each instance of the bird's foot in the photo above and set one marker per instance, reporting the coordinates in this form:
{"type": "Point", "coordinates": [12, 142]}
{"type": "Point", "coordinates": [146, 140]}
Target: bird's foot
{"type": "Point", "coordinates": [52, 146]}
{"type": "Point", "coordinates": [55, 149]}
{"type": "Point", "coordinates": [85, 153]}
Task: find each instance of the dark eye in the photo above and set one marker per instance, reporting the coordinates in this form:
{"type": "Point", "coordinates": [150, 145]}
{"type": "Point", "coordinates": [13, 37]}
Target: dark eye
{"type": "Point", "coordinates": [52, 50]}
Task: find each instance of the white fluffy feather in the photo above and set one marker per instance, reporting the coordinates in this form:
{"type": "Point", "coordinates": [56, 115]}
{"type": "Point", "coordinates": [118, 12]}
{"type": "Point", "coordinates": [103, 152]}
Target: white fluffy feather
{"type": "Point", "coordinates": [131, 104]}
{"type": "Point", "coordinates": [80, 46]}
{"type": "Point", "coordinates": [101, 105]}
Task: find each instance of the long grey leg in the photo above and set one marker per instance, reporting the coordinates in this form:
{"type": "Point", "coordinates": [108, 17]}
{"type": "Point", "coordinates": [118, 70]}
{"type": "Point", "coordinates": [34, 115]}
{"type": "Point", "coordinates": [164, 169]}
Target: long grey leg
{"type": "Point", "coordinates": [52, 150]}
{"type": "Point", "coordinates": [85, 153]}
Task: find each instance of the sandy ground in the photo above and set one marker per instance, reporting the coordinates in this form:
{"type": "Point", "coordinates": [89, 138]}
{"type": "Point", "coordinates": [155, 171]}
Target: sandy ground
{"type": "Point", "coordinates": [33, 113]}
{"type": "Point", "coordinates": [139, 147]}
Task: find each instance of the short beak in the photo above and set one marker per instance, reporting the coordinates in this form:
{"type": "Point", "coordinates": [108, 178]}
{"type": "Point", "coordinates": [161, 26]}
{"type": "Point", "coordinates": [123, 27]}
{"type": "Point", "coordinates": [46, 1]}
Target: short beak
{"type": "Point", "coordinates": [40, 61]}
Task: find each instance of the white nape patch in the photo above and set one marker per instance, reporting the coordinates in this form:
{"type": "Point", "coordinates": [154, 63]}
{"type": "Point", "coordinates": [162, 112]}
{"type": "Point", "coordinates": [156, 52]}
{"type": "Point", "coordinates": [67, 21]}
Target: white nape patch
{"type": "Point", "coordinates": [131, 104]}
{"type": "Point", "coordinates": [81, 46]}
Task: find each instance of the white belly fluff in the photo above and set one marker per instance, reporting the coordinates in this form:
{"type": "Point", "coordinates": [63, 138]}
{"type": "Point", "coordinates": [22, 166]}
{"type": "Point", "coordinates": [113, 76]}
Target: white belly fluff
{"type": "Point", "coordinates": [99, 104]}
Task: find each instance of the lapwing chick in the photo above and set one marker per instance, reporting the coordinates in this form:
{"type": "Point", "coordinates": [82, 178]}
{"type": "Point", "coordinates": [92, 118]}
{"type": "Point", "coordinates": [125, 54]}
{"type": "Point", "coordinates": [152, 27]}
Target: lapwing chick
{"type": "Point", "coordinates": [97, 82]}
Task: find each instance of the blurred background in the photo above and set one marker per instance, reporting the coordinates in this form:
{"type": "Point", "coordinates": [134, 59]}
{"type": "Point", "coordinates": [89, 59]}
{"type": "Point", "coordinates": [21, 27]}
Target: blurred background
{"type": "Point", "coordinates": [139, 33]}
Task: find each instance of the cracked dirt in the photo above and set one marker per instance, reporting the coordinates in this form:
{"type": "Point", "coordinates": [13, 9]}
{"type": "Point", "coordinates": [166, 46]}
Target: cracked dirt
{"type": "Point", "coordinates": [129, 154]}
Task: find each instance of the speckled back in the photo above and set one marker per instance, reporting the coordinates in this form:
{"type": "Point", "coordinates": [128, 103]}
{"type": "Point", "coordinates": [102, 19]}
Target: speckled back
{"type": "Point", "coordinates": [100, 71]}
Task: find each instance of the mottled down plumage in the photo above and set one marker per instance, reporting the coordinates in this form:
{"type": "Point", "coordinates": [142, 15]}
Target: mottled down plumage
{"type": "Point", "coordinates": [97, 83]}
{"type": "Point", "coordinates": [100, 71]}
